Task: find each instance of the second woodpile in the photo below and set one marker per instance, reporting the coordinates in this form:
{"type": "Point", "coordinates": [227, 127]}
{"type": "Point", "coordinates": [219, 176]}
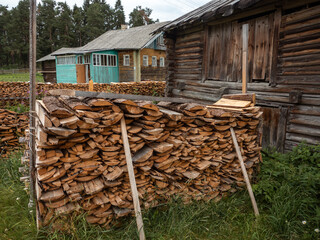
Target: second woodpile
{"type": "Point", "coordinates": [12, 126]}
{"type": "Point", "coordinates": [181, 150]}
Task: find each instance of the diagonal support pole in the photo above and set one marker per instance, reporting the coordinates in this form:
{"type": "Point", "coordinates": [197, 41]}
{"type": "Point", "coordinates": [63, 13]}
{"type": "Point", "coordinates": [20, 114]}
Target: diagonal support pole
{"type": "Point", "coordinates": [244, 172]}
{"type": "Point", "coordinates": [132, 179]}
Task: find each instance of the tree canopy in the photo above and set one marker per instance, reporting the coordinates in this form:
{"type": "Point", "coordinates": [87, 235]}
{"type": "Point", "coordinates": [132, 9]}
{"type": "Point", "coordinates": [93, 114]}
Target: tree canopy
{"type": "Point", "coordinates": [59, 25]}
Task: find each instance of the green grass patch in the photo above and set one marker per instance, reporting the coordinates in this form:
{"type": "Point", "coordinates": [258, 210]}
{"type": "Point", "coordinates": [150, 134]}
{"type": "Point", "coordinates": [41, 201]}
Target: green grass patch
{"type": "Point", "coordinates": [287, 195]}
{"type": "Point", "coordinates": [19, 77]}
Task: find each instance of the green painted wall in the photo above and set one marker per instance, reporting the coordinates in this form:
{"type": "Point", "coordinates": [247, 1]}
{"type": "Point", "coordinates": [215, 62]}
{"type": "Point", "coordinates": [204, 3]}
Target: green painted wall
{"type": "Point", "coordinates": [104, 74]}
{"type": "Point", "coordinates": [66, 73]}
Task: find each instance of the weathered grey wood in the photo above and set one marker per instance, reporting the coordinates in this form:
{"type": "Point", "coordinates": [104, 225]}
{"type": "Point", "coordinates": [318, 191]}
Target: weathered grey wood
{"type": "Point", "coordinates": [275, 47]}
{"type": "Point", "coordinates": [281, 132]}
{"type": "Point", "coordinates": [245, 35]}
{"type": "Point", "coordinates": [131, 97]}
{"type": "Point", "coordinates": [244, 172]}
{"type": "Point", "coordinates": [132, 180]}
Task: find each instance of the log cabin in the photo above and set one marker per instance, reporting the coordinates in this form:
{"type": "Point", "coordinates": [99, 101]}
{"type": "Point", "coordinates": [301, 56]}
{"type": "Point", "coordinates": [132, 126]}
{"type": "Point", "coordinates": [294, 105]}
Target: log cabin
{"type": "Point", "coordinates": [126, 55]}
{"type": "Point", "coordinates": [281, 39]}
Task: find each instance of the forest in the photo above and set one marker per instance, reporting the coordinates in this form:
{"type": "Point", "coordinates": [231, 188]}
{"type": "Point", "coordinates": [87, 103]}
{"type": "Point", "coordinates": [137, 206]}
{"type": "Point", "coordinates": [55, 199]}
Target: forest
{"type": "Point", "coordinates": [59, 25]}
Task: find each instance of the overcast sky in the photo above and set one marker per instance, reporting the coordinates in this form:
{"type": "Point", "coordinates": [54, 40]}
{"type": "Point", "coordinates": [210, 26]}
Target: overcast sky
{"type": "Point", "coordinates": [164, 10]}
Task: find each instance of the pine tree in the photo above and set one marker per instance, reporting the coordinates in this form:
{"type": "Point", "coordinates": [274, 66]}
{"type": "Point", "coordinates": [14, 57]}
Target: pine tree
{"type": "Point", "coordinates": [46, 20]}
{"type": "Point", "coordinates": [119, 16]}
{"type": "Point", "coordinates": [78, 26]}
{"type": "Point", "coordinates": [64, 25]}
{"type": "Point", "coordinates": [141, 16]}
{"type": "Point", "coordinates": [18, 34]}
{"type": "Point", "coordinates": [4, 47]}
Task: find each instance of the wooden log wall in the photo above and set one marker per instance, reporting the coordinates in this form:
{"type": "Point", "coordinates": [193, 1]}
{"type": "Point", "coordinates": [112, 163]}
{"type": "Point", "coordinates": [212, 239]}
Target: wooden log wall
{"type": "Point", "coordinates": [150, 73]}
{"type": "Point", "coordinates": [126, 73]}
{"type": "Point", "coordinates": [299, 69]}
{"type": "Point", "coordinates": [48, 71]}
{"type": "Point", "coordinates": [181, 150]}
{"type": "Point", "coordinates": [292, 89]}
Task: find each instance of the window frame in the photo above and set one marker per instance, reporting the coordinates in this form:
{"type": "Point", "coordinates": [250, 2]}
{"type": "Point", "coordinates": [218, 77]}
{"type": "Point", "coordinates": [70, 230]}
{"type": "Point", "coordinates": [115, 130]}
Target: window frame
{"type": "Point", "coordinates": [145, 59]}
{"type": "Point", "coordinates": [62, 60]}
{"type": "Point", "coordinates": [87, 59]}
{"type": "Point", "coordinates": [126, 57]}
{"type": "Point", "coordinates": [161, 63]}
{"type": "Point", "coordinates": [104, 60]}
{"type": "Point", "coordinates": [154, 61]}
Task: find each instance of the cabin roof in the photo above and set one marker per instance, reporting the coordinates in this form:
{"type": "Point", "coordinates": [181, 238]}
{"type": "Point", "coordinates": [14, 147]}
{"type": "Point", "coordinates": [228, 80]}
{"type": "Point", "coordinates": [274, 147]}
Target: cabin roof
{"type": "Point", "coordinates": [60, 51]}
{"type": "Point", "coordinates": [215, 8]}
{"type": "Point", "coordinates": [128, 39]}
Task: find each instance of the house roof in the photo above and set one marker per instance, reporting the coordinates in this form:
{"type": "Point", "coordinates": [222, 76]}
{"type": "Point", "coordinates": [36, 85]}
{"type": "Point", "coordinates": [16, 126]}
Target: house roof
{"type": "Point", "coordinates": [215, 8]}
{"type": "Point", "coordinates": [128, 39]}
{"type": "Point", "coordinates": [60, 51]}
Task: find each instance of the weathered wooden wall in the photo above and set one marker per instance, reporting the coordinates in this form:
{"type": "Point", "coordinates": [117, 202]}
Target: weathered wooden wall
{"type": "Point", "coordinates": [204, 62]}
{"type": "Point", "coordinates": [126, 73]}
{"type": "Point", "coordinates": [49, 71]}
{"type": "Point", "coordinates": [152, 73]}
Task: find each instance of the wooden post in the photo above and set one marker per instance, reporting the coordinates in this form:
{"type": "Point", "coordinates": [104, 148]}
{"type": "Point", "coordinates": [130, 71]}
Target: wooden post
{"type": "Point", "coordinates": [132, 180]}
{"type": "Point", "coordinates": [244, 172]}
{"type": "Point", "coordinates": [245, 35]}
{"type": "Point", "coordinates": [32, 69]}
{"type": "Point", "coordinates": [90, 85]}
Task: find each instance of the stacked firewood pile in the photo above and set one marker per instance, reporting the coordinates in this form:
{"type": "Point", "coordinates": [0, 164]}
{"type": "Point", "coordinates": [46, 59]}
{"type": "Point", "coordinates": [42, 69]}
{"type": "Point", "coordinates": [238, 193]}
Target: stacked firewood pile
{"type": "Point", "coordinates": [12, 126]}
{"type": "Point", "coordinates": [181, 150]}
{"type": "Point", "coordinates": [150, 88]}
{"type": "Point", "coordinates": [19, 91]}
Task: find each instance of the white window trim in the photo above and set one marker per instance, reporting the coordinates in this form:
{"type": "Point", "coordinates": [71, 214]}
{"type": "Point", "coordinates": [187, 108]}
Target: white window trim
{"type": "Point", "coordinates": [64, 57]}
{"type": "Point", "coordinates": [124, 60]}
{"type": "Point", "coordinates": [97, 57]}
{"type": "Point", "coordinates": [145, 58]}
{"type": "Point", "coordinates": [161, 63]}
{"type": "Point", "coordinates": [85, 58]}
{"type": "Point", "coordinates": [154, 57]}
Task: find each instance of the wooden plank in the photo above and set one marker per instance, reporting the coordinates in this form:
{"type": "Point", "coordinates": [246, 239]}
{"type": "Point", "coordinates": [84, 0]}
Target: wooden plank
{"type": "Point", "coordinates": [245, 34]}
{"type": "Point", "coordinates": [244, 172]}
{"type": "Point", "coordinates": [281, 131]}
{"type": "Point", "coordinates": [205, 61]}
{"type": "Point", "coordinates": [275, 47]}
{"type": "Point", "coordinates": [129, 97]}
{"type": "Point", "coordinates": [133, 185]}
{"type": "Point", "coordinates": [298, 16]}
{"type": "Point", "coordinates": [223, 102]}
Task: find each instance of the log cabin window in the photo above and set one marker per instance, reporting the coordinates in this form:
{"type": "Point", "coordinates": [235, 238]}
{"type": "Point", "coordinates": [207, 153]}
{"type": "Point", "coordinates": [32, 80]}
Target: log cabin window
{"type": "Point", "coordinates": [161, 62]}
{"type": "Point", "coordinates": [107, 60]}
{"type": "Point", "coordinates": [224, 50]}
{"type": "Point", "coordinates": [126, 60]}
{"type": "Point", "coordinates": [145, 60]}
{"type": "Point", "coordinates": [154, 61]}
{"type": "Point", "coordinates": [66, 60]}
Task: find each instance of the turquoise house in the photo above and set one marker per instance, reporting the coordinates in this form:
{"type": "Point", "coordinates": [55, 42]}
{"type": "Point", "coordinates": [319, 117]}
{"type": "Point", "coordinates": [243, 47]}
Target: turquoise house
{"type": "Point", "coordinates": [76, 67]}
{"type": "Point", "coordinates": [103, 60]}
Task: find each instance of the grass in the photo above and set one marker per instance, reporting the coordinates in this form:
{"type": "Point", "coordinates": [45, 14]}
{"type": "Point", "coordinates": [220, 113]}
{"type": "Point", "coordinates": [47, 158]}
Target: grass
{"type": "Point", "coordinates": [287, 194]}
{"type": "Point", "coordinates": [19, 77]}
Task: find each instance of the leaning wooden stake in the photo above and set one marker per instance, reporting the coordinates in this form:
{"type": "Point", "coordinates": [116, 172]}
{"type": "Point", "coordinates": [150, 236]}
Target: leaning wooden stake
{"type": "Point", "coordinates": [132, 179]}
{"type": "Point", "coordinates": [244, 172]}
